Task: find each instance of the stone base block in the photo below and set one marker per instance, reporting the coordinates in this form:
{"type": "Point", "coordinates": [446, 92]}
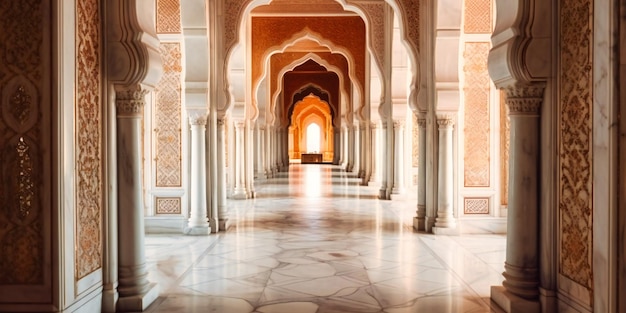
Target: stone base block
{"type": "Point", "coordinates": [223, 224]}
{"type": "Point", "coordinates": [511, 303]}
{"type": "Point", "coordinates": [419, 224]}
{"type": "Point", "coordinates": [446, 231]}
{"type": "Point", "coordinates": [138, 303]}
{"type": "Point", "coordinates": [198, 231]}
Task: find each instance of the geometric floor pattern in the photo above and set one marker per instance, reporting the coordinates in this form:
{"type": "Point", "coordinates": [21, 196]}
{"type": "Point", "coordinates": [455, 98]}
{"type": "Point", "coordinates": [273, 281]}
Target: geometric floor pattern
{"type": "Point", "coordinates": [313, 240]}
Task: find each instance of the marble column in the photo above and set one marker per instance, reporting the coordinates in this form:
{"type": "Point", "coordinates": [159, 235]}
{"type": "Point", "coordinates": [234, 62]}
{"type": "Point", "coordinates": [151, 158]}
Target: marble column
{"type": "Point", "coordinates": [344, 148]}
{"type": "Point", "coordinates": [385, 154]}
{"type": "Point", "coordinates": [398, 153]}
{"type": "Point", "coordinates": [520, 290]}
{"type": "Point", "coordinates": [222, 208]}
{"type": "Point", "coordinates": [260, 153]}
{"type": "Point", "coordinates": [356, 152]}
{"type": "Point", "coordinates": [198, 222]}
{"type": "Point", "coordinates": [419, 222]}
{"type": "Point", "coordinates": [445, 224]}
{"type": "Point", "coordinates": [240, 189]}
{"type": "Point", "coordinates": [135, 292]}
{"type": "Point", "coordinates": [248, 156]}
{"type": "Point", "coordinates": [211, 173]}
{"type": "Point", "coordinates": [374, 155]}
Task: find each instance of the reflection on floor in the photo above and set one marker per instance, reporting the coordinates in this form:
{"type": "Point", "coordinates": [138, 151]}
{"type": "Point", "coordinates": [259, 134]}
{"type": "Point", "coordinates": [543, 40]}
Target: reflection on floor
{"type": "Point", "coordinates": [315, 241]}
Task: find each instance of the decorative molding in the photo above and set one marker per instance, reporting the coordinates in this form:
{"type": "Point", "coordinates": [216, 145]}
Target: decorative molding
{"type": "Point", "coordinates": [233, 14]}
{"type": "Point", "coordinates": [198, 119]}
{"type": "Point", "coordinates": [421, 122]}
{"type": "Point", "coordinates": [575, 142]}
{"type": "Point", "coordinates": [89, 162]}
{"type": "Point", "coordinates": [168, 119]}
{"type": "Point", "coordinates": [415, 129]}
{"type": "Point", "coordinates": [411, 20]}
{"type": "Point", "coordinates": [398, 124]}
{"type": "Point", "coordinates": [477, 144]}
{"type": "Point", "coordinates": [375, 12]}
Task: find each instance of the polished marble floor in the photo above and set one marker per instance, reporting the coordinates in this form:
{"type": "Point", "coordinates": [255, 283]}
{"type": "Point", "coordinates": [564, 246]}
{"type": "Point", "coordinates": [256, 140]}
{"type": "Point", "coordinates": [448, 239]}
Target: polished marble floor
{"type": "Point", "coordinates": [313, 240]}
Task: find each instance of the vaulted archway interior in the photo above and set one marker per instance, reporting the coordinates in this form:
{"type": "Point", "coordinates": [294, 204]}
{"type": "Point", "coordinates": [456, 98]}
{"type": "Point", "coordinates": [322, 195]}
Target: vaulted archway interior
{"type": "Point", "coordinates": [309, 115]}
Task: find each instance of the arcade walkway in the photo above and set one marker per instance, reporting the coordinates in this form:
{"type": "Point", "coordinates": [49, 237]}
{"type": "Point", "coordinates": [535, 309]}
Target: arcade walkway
{"type": "Point", "coordinates": [315, 241]}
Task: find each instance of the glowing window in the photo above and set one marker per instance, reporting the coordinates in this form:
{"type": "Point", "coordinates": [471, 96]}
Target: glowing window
{"type": "Point", "coordinates": [313, 138]}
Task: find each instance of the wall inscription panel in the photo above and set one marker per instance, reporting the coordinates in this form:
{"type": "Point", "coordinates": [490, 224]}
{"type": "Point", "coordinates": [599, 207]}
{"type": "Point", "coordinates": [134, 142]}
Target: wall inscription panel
{"type": "Point", "coordinates": [575, 141]}
{"type": "Point", "coordinates": [477, 118]}
{"type": "Point", "coordinates": [89, 161]}
{"type": "Point", "coordinates": [167, 122]}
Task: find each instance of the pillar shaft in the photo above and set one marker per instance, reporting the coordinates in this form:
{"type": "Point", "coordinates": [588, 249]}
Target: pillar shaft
{"type": "Point", "coordinates": [445, 199]}
{"type": "Point", "coordinates": [240, 188]}
{"type": "Point", "coordinates": [222, 209]}
{"type": "Point", "coordinates": [136, 293]}
{"type": "Point", "coordinates": [398, 173]}
{"type": "Point", "coordinates": [419, 223]}
{"type": "Point", "coordinates": [375, 154]}
{"type": "Point", "coordinates": [198, 222]}
{"type": "Point", "coordinates": [385, 162]}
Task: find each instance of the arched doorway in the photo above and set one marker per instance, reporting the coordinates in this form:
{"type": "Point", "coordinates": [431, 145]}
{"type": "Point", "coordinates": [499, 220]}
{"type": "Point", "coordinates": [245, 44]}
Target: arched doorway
{"type": "Point", "coordinates": [311, 129]}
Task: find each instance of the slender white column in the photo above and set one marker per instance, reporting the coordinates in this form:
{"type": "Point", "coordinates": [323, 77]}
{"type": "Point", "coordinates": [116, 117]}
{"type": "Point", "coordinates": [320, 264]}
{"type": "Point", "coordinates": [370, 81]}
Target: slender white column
{"type": "Point", "coordinates": [222, 209]}
{"type": "Point", "coordinates": [260, 153]}
{"type": "Point", "coordinates": [344, 148]}
{"type": "Point", "coordinates": [240, 188]}
{"type": "Point", "coordinates": [445, 223]}
{"type": "Point", "coordinates": [336, 146]}
{"type": "Point", "coordinates": [419, 222]}
{"type": "Point", "coordinates": [367, 154]}
{"type": "Point", "coordinates": [375, 158]}
{"type": "Point", "coordinates": [135, 292]}
{"type": "Point", "coordinates": [268, 152]}
{"type": "Point", "coordinates": [198, 222]}
{"type": "Point", "coordinates": [521, 272]}
{"type": "Point", "coordinates": [385, 156]}
{"type": "Point", "coordinates": [248, 156]}
{"type": "Point", "coordinates": [356, 143]}
{"type": "Point", "coordinates": [398, 173]}
{"type": "Point", "coordinates": [211, 173]}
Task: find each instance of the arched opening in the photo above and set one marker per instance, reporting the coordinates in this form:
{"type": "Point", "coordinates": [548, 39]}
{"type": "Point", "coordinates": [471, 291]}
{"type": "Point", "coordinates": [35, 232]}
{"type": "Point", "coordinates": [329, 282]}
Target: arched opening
{"type": "Point", "coordinates": [313, 138]}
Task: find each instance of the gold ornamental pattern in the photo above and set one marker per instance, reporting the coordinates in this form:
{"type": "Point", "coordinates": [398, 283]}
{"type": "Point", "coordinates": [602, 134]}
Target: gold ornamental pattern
{"type": "Point", "coordinates": [167, 124]}
{"type": "Point", "coordinates": [575, 141]}
{"type": "Point", "coordinates": [89, 161]}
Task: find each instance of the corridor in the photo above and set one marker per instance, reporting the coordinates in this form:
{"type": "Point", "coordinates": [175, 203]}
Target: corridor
{"type": "Point", "coordinates": [313, 240]}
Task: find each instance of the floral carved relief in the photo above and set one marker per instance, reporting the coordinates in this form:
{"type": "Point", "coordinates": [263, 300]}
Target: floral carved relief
{"type": "Point", "coordinates": [167, 122]}
{"type": "Point", "coordinates": [477, 118]}
{"type": "Point", "coordinates": [575, 141]}
{"type": "Point", "coordinates": [89, 162]}
{"type": "Point", "coordinates": [477, 17]}
{"type": "Point", "coordinates": [23, 131]}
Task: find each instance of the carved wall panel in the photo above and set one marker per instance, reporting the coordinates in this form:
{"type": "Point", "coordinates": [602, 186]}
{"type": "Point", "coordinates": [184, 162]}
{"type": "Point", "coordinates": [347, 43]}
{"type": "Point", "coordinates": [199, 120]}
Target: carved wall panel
{"type": "Point", "coordinates": [476, 205]}
{"type": "Point", "coordinates": [575, 135]}
{"type": "Point", "coordinates": [477, 17]}
{"type": "Point", "coordinates": [168, 17]}
{"type": "Point", "coordinates": [167, 118]}
{"type": "Point", "coordinates": [25, 138]}
{"type": "Point", "coordinates": [168, 205]}
{"type": "Point", "coordinates": [477, 119]}
{"type": "Point", "coordinates": [89, 162]}
{"type": "Point", "coordinates": [505, 147]}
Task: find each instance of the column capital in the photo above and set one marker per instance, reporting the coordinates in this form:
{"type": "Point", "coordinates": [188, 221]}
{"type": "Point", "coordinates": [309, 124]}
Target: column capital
{"type": "Point", "coordinates": [239, 124]}
{"type": "Point", "coordinates": [130, 102]}
{"type": "Point", "coordinates": [197, 119]}
{"type": "Point", "coordinates": [398, 124]}
{"type": "Point", "coordinates": [421, 122]}
{"type": "Point", "coordinates": [373, 125]}
{"type": "Point", "coordinates": [221, 121]}
{"type": "Point", "coordinates": [525, 99]}
{"type": "Point", "coordinates": [445, 122]}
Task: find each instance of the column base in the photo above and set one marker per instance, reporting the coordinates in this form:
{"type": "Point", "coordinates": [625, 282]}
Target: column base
{"type": "Point", "coordinates": [419, 223]}
{"type": "Point", "coordinates": [138, 303]}
{"type": "Point", "coordinates": [197, 230]}
{"type": "Point", "coordinates": [382, 194]}
{"type": "Point", "coordinates": [430, 223]}
{"type": "Point", "coordinates": [446, 231]}
{"type": "Point", "coordinates": [511, 303]}
{"type": "Point", "coordinates": [214, 225]}
{"type": "Point", "coordinates": [398, 190]}
{"type": "Point", "coordinates": [109, 300]}
{"type": "Point", "coordinates": [223, 224]}
{"type": "Point", "coordinates": [239, 195]}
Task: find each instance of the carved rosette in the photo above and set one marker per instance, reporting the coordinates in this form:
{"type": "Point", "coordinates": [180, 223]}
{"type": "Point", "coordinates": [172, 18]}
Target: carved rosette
{"type": "Point", "coordinates": [525, 99]}
{"type": "Point", "coordinates": [130, 102]}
